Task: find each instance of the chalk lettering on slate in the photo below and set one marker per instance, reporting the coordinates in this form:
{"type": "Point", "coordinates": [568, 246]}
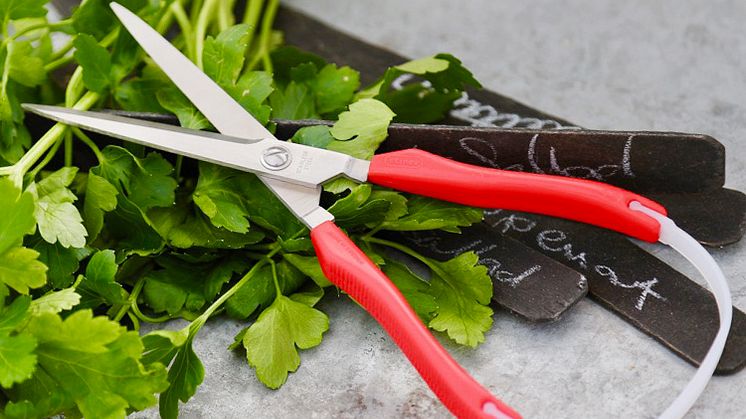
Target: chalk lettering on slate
{"type": "Point", "coordinates": [493, 265]}
{"type": "Point", "coordinates": [486, 153]}
{"type": "Point", "coordinates": [478, 114]}
{"type": "Point", "coordinates": [556, 241]}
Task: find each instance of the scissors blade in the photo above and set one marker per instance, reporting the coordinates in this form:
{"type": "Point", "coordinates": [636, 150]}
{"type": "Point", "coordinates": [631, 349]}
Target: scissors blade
{"type": "Point", "coordinates": [227, 115]}
{"type": "Point", "coordinates": [238, 153]}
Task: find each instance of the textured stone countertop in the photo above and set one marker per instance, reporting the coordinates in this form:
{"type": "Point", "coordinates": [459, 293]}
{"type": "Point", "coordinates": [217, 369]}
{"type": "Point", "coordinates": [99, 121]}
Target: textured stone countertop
{"type": "Point", "coordinates": [633, 65]}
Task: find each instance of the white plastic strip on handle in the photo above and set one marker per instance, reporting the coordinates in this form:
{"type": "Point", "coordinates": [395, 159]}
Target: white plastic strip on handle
{"type": "Point", "coordinates": [683, 243]}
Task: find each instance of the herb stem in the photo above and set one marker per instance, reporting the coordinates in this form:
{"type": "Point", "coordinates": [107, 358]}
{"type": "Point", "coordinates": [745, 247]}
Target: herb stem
{"type": "Point", "coordinates": [406, 250]}
{"type": "Point", "coordinates": [251, 17]}
{"type": "Point", "coordinates": [186, 28]}
{"type": "Point", "coordinates": [131, 300]}
{"type": "Point", "coordinates": [31, 28]}
{"type": "Point", "coordinates": [49, 156]}
{"type": "Point", "coordinates": [200, 32]}
{"type": "Point", "coordinates": [139, 314]}
{"type": "Point", "coordinates": [265, 37]}
{"type": "Point", "coordinates": [274, 279]}
{"type": "Point", "coordinates": [87, 141]}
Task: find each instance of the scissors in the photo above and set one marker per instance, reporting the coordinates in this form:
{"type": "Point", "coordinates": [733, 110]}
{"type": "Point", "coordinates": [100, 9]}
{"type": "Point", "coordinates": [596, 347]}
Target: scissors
{"type": "Point", "coordinates": [295, 172]}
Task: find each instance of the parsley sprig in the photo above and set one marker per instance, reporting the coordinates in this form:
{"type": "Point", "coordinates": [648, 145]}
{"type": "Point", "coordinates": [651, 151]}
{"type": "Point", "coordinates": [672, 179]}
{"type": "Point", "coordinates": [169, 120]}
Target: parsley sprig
{"type": "Point", "coordinates": [91, 249]}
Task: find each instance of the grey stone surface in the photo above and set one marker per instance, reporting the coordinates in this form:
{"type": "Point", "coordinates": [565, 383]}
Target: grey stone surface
{"type": "Point", "coordinates": [663, 65]}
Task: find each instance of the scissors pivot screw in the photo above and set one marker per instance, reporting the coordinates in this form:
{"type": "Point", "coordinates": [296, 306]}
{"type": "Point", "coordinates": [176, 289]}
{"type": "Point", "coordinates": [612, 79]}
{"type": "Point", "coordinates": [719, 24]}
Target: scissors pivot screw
{"type": "Point", "coordinates": [276, 158]}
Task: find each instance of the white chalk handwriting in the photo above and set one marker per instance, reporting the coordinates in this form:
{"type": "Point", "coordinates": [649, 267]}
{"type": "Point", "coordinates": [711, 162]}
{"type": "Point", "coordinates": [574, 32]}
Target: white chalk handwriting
{"type": "Point", "coordinates": [557, 241]}
{"type": "Point", "coordinates": [494, 266]}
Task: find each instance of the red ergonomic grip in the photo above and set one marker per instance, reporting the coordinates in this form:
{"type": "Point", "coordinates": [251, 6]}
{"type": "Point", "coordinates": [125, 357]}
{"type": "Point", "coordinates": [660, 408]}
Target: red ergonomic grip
{"type": "Point", "coordinates": [345, 265]}
{"type": "Point", "coordinates": [590, 202]}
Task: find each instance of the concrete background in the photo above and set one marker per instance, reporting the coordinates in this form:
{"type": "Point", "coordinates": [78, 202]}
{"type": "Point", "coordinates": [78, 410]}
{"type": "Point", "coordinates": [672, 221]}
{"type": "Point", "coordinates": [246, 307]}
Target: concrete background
{"type": "Point", "coordinates": [636, 65]}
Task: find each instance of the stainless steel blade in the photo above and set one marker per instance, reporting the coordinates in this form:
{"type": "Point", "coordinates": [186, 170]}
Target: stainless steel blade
{"type": "Point", "coordinates": [286, 162]}
{"type": "Point", "coordinates": [227, 115]}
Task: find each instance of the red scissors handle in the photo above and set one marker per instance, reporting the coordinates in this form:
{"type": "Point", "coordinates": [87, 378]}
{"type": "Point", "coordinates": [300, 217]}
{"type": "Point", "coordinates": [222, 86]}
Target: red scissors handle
{"type": "Point", "coordinates": [345, 265]}
{"type": "Point", "coordinates": [590, 202]}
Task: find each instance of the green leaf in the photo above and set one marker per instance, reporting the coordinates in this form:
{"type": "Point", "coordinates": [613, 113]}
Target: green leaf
{"type": "Point", "coordinates": [147, 182]}
{"type": "Point", "coordinates": [184, 226]}
{"type": "Point", "coordinates": [271, 343]}
{"type": "Point", "coordinates": [430, 214]}
{"type": "Point", "coordinates": [251, 90]}
{"type": "Point", "coordinates": [140, 93]}
{"type": "Point", "coordinates": [99, 285]}
{"type": "Point", "coordinates": [441, 79]}
{"type": "Point", "coordinates": [16, 215]}
{"type": "Point", "coordinates": [462, 290]}
{"type": "Point", "coordinates": [362, 128]}
{"type": "Point", "coordinates": [223, 55]}
{"type": "Point", "coordinates": [174, 101]}
{"type": "Point", "coordinates": [218, 195]}
{"type": "Point", "coordinates": [286, 58]}
{"type": "Point", "coordinates": [17, 358]}
{"type": "Point", "coordinates": [100, 197]}
{"type": "Point", "coordinates": [95, 61]}
{"type": "Point", "coordinates": [397, 203]}
{"type": "Point", "coordinates": [184, 376]}
{"type": "Point", "coordinates": [24, 67]}
{"type": "Point", "coordinates": [141, 184]}
{"type": "Point", "coordinates": [14, 314]}
{"type": "Point", "coordinates": [415, 290]}
{"type": "Point", "coordinates": [55, 302]}
{"type": "Point", "coordinates": [58, 219]}
{"type": "Point", "coordinates": [356, 209]}
{"type": "Point", "coordinates": [181, 285]}
{"type": "Point", "coordinates": [310, 267]}
{"type": "Point", "coordinates": [259, 291]}
{"type": "Point", "coordinates": [19, 9]}
{"type": "Point", "coordinates": [424, 65]}
{"type": "Point", "coordinates": [62, 262]}
{"type": "Point", "coordinates": [186, 372]}
{"type": "Point", "coordinates": [89, 364]}
{"type": "Point", "coordinates": [315, 136]}
{"type": "Point", "coordinates": [334, 88]}
{"type": "Point", "coordinates": [20, 269]}
{"type": "Point", "coordinates": [295, 101]}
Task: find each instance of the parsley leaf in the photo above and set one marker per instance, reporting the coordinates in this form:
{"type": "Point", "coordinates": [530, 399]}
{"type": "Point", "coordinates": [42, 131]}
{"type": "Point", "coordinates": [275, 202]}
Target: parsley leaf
{"type": "Point", "coordinates": [20, 269]}
{"type": "Point", "coordinates": [93, 364]}
{"type": "Point", "coordinates": [356, 209]}
{"type": "Point", "coordinates": [100, 197]}
{"type": "Point", "coordinates": [271, 343]}
{"type": "Point", "coordinates": [334, 88]}
{"type": "Point", "coordinates": [56, 216]}
{"type": "Point", "coordinates": [415, 290]}
{"type": "Point", "coordinates": [223, 55]}
{"type": "Point", "coordinates": [445, 78]}
{"type": "Point", "coordinates": [23, 66]}
{"type": "Point", "coordinates": [62, 262]}
{"type": "Point", "coordinates": [362, 128]}
{"type": "Point", "coordinates": [218, 196]}
{"type": "Point", "coordinates": [19, 9]}
{"type": "Point", "coordinates": [462, 290]}
{"type": "Point", "coordinates": [55, 302]}
{"type": "Point", "coordinates": [95, 61]}
{"type": "Point", "coordinates": [431, 214]}
{"type": "Point", "coordinates": [17, 358]}
{"type": "Point", "coordinates": [309, 265]}
{"type": "Point", "coordinates": [99, 286]}
{"type": "Point", "coordinates": [259, 291]}
{"type": "Point", "coordinates": [16, 214]}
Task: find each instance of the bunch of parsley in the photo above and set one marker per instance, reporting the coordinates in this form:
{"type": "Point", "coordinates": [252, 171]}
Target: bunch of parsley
{"type": "Point", "coordinates": [86, 256]}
